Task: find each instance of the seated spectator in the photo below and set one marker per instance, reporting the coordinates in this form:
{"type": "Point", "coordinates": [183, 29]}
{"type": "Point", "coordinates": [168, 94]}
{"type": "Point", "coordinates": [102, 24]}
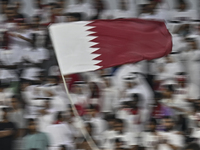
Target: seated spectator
{"type": "Point", "coordinates": [33, 59]}
{"type": "Point", "coordinates": [109, 95]}
{"type": "Point", "coordinates": [7, 132]}
{"type": "Point", "coordinates": [18, 15]}
{"type": "Point", "coordinates": [119, 132]}
{"type": "Point", "coordinates": [34, 139]}
{"type": "Point", "coordinates": [71, 17]}
{"type": "Point", "coordinates": [16, 115]}
{"type": "Point", "coordinates": [123, 11]}
{"type": "Point", "coordinates": [81, 6]}
{"type": "Point", "coordinates": [151, 138]}
{"type": "Point", "coordinates": [152, 12]}
{"type": "Point", "coordinates": [101, 10]}
{"type": "Point", "coordinates": [170, 139]}
{"type": "Point", "coordinates": [183, 12]}
{"type": "Point", "coordinates": [46, 116]}
{"type": "Point", "coordinates": [59, 132]}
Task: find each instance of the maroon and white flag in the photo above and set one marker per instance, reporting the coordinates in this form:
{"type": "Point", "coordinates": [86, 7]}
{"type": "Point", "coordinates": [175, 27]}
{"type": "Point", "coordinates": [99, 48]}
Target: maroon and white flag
{"type": "Point", "coordinates": [92, 45]}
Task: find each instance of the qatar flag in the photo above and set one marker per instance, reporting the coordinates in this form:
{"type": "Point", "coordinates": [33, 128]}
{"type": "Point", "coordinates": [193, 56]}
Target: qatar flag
{"type": "Point", "coordinates": [92, 45]}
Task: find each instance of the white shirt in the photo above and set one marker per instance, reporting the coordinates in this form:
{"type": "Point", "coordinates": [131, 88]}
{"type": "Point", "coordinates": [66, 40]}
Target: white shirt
{"type": "Point", "coordinates": [109, 99]}
{"type": "Point", "coordinates": [9, 57]}
{"type": "Point", "coordinates": [58, 103]}
{"type": "Point", "coordinates": [36, 56]}
{"type": "Point", "coordinates": [172, 138]}
{"type": "Point", "coordinates": [45, 120]}
{"type": "Point", "coordinates": [149, 140]}
{"type": "Point", "coordinates": [58, 134]}
{"type": "Point", "coordinates": [186, 15]}
{"type": "Point", "coordinates": [18, 43]}
{"type": "Point", "coordinates": [110, 136]}
{"type": "Point", "coordinates": [84, 8]}
{"type": "Point", "coordinates": [118, 13]}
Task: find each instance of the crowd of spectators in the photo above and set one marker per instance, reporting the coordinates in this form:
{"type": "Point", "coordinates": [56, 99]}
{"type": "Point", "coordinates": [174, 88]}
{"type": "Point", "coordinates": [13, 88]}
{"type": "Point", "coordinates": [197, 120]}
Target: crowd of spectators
{"type": "Point", "coordinates": [148, 105]}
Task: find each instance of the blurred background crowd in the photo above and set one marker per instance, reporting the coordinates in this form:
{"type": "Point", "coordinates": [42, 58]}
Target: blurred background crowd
{"type": "Point", "coordinates": [148, 105]}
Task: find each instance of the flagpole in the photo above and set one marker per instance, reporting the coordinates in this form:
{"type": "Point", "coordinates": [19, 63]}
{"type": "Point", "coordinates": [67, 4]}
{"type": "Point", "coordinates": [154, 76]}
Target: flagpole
{"type": "Point", "coordinates": [84, 132]}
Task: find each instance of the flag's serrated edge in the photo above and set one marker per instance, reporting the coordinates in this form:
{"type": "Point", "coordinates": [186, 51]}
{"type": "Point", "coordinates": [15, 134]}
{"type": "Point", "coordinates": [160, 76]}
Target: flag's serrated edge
{"type": "Point", "coordinates": [93, 45]}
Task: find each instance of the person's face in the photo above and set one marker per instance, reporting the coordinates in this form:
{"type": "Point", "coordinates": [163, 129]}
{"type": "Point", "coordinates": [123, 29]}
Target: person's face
{"type": "Point", "coordinates": [118, 127]}
{"type": "Point", "coordinates": [22, 26]}
{"type": "Point", "coordinates": [193, 44]}
{"type": "Point", "coordinates": [47, 104]}
{"type": "Point", "coordinates": [152, 126]}
{"type": "Point", "coordinates": [129, 84]}
{"type": "Point", "coordinates": [168, 123]}
{"type": "Point", "coordinates": [99, 5]}
{"type": "Point", "coordinates": [168, 59]}
{"type": "Point", "coordinates": [1, 89]}
{"type": "Point", "coordinates": [32, 126]}
{"type": "Point", "coordinates": [167, 93]}
{"type": "Point", "coordinates": [88, 112]}
{"type": "Point", "coordinates": [182, 6]}
{"type": "Point", "coordinates": [107, 82]}
{"type": "Point", "coordinates": [71, 19]}
{"type": "Point", "coordinates": [111, 123]}
{"type": "Point", "coordinates": [14, 102]}
{"type": "Point", "coordinates": [198, 103]}
{"type": "Point", "coordinates": [198, 27]}
{"type": "Point", "coordinates": [3, 6]}
{"type": "Point", "coordinates": [123, 4]}
{"type": "Point", "coordinates": [62, 148]}
{"type": "Point", "coordinates": [52, 80]}
{"type": "Point", "coordinates": [24, 86]}
{"type": "Point", "coordinates": [9, 13]}
{"type": "Point", "coordinates": [37, 3]}
{"type": "Point", "coordinates": [36, 21]}
{"type": "Point", "coordinates": [181, 83]}
{"type": "Point", "coordinates": [78, 89]}
{"type": "Point", "coordinates": [118, 145]}
{"type": "Point", "coordinates": [89, 130]}
{"type": "Point", "coordinates": [61, 3]}
{"type": "Point", "coordinates": [71, 113]}
{"type": "Point", "coordinates": [18, 6]}
{"type": "Point", "coordinates": [5, 115]}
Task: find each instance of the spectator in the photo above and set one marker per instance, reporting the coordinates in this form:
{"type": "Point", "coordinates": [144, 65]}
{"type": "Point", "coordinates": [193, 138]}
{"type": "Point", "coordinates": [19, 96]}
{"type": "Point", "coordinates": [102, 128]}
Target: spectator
{"type": "Point", "coordinates": [151, 138]}
{"type": "Point", "coordinates": [59, 132]}
{"type": "Point", "coordinates": [101, 10]}
{"type": "Point", "coordinates": [16, 115]}
{"type": "Point", "coordinates": [183, 12]}
{"type": "Point", "coordinates": [34, 139]}
{"type": "Point", "coordinates": [7, 132]}
{"type": "Point", "coordinates": [123, 10]}
{"type": "Point", "coordinates": [169, 138]}
{"type": "Point", "coordinates": [108, 95]}
{"type": "Point", "coordinates": [18, 15]}
{"type": "Point", "coordinates": [82, 7]}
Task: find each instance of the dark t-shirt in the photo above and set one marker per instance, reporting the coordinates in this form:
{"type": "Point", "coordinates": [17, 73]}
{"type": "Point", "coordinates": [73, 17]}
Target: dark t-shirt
{"type": "Point", "coordinates": [6, 143]}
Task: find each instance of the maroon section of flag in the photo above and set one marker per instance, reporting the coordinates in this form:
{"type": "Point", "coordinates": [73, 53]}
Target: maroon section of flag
{"type": "Point", "coordinates": [123, 41]}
